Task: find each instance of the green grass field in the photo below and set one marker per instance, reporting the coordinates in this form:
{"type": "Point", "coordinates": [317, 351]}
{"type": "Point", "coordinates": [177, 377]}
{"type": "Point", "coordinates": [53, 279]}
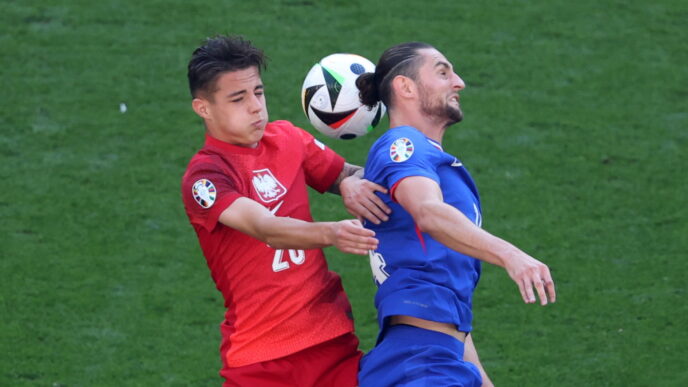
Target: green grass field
{"type": "Point", "coordinates": [576, 133]}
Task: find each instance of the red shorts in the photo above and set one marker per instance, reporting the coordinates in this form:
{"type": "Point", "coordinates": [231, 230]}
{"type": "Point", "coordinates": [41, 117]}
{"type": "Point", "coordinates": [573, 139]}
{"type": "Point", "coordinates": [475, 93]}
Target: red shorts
{"type": "Point", "coordinates": [332, 363]}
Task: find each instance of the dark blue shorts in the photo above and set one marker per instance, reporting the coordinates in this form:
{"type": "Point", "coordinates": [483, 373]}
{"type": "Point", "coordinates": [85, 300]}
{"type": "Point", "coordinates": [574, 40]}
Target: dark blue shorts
{"type": "Point", "coordinates": [411, 356]}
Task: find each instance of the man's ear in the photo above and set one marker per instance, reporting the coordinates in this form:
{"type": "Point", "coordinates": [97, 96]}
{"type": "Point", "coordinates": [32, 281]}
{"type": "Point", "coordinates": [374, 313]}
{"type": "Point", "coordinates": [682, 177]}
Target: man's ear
{"type": "Point", "coordinates": [404, 87]}
{"type": "Point", "coordinates": [200, 106]}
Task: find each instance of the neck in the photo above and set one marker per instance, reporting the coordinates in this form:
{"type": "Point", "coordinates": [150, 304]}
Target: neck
{"type": "Point", "coordinates": [433, 129]}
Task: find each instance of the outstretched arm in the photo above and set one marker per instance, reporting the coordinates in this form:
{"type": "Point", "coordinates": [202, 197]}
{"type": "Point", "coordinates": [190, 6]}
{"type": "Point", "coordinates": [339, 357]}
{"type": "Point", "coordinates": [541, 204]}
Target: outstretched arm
{"type": "Point", "coordinates": [422, 198]}
{"type": "Point", "coordinates": [359, 196]}
{"type": "Point", "coordinates": [279, 232]}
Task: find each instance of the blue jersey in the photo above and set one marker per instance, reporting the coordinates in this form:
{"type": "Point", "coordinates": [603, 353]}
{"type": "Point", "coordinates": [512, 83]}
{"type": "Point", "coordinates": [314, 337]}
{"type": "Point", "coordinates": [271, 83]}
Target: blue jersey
{"type": "Point", "coordinates": [417, 275]}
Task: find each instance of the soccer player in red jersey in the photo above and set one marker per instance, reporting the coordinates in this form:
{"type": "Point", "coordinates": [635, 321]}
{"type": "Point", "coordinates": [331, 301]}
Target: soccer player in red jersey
{"type": "Point", "coordinates": [288, 321]}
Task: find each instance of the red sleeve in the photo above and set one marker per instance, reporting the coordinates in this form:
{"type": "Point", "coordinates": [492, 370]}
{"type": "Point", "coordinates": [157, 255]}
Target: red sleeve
{"type": "Point", "coordinates": [321, 164]}
{"type": "Point", "coordinates": [207, 191]}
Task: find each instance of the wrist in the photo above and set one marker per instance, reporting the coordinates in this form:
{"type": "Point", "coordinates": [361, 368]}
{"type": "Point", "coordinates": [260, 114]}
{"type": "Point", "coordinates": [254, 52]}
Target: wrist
{"type": "Point", "coordinates": [506, 254]}
{"type": "Point", "coordinates": [329, 233]}
{"type": "Point", "coordinates": [345, 184]}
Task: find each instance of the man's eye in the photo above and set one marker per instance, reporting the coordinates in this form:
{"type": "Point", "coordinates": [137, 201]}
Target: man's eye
{"type": "Point", "coordinates": [236, 100]}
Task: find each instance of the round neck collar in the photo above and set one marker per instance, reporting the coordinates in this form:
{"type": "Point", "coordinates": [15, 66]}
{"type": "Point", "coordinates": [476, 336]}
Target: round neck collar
{"type": "Point", "coordinates": [231, 148]}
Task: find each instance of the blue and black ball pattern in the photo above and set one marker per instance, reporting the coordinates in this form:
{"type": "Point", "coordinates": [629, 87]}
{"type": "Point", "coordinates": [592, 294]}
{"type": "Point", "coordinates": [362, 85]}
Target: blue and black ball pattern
{"type": "Point", "coordinates": [357, 68]}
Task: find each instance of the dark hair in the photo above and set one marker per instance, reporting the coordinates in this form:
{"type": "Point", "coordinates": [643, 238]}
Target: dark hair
{"type": "Point", "coordinates": [219, 55]}
{"type": "Point", "coordinates": [402, 59]}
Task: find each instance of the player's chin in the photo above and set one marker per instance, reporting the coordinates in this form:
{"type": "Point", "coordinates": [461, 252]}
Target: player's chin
{"type": "Point", "coordinates": [454, 115]}
{"type": "Point", "coordinates": [257, 133]}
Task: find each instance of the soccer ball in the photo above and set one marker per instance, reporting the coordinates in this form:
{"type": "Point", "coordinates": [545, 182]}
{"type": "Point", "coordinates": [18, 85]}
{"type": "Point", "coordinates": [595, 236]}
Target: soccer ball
{"type": "Point", "coordinates": [329, 97]}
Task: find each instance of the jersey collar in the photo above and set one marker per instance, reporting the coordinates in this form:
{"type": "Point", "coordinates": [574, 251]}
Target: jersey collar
{"type": "Point", "coordinates": [213, 142]}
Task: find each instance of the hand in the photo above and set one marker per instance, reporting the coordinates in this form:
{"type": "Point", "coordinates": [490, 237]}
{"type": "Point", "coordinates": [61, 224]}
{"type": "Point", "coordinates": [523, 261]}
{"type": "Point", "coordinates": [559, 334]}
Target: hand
{"type": "Point", "coordinates": [361, 201]}
{"type": "Point", "coordinates": [528, 272]}
{"type": "Point", "coordinates": [351, 237]}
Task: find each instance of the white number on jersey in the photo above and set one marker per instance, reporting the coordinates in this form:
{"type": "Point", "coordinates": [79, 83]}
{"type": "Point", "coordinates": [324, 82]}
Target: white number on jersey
{"type": "Point", "coordinates": [377, 265]}
{"type": "Point", "coordinates": [296, 256]}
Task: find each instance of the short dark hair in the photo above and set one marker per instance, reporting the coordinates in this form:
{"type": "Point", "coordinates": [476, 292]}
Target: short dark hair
{"type": "Point", "coordinates": [219, 55]}
{"type": "Point", "coordinates": [402, 59]}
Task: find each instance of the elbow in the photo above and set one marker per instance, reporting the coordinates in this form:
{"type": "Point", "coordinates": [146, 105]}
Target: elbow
{"type": "Point", "coordinates": [273, 239]}
{"type": "Point", "coordinates": [425, 226]}
{"type": "Point", "coordinates": [425, 220]}
{"type": "Point", "coordinates": [264, 232]}
{"type": "Point", "coordinates": [275, 243]}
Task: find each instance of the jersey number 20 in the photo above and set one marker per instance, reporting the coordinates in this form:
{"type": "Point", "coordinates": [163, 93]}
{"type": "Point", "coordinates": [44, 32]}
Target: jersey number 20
{"type": "Point", "coordinates": [279, 264]}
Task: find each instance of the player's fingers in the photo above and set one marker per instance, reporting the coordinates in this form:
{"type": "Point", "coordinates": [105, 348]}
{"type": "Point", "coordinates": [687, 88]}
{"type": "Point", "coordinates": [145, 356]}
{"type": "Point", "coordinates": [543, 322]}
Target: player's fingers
{"type": "Point", "coordinates": [357, 222]}
{"type": "Point", "coordinates": [378, 203]}
{"type": "Point", "coordinates": [354, 226]}
{"type": "Point", "coordinates": [551, 291]}
{"type": "Point", "coordinates": [528, 288]}
{"type": "Point", "coordinates": [361, 237]}
{"type": "Point", "coordinates": [549, 284]}
{"type": "Point", "coordinates": [540, 287]}
{"type": "Point", "coordinates": [375, 209]}
{"type": "Point", "coordinates": [360, 245]}
{"type": "Point", "coordinates": [521, 288]}
{"type": "Point", "coordinates": [360, 232]}
{"type": "Point", "coordinates": [377, 187]}
{"type": "Point", "coordinates": [371, 216]}
{"type": "Point", "coordinates": [358, 210]}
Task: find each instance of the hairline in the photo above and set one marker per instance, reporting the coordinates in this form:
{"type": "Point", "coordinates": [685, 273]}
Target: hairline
{"type": "Point", "coordinates": [211, 88]}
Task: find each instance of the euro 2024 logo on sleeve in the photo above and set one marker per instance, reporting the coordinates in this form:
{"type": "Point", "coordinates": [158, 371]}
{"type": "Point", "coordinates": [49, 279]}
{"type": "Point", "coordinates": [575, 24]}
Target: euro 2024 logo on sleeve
{"type": "Point", "coordinates": [204, 193]}
{"type": "Point", "coordinates": [401, 150]}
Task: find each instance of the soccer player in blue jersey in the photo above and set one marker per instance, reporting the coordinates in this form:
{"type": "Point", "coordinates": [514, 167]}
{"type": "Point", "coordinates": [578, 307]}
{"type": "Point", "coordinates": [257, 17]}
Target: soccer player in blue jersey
{"type": "Point", "coordinates": [427, 264]}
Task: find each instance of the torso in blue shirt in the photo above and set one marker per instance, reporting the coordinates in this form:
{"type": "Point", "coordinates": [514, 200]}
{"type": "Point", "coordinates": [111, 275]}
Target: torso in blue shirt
{"type": "Point", "coordinates": [415, 274]}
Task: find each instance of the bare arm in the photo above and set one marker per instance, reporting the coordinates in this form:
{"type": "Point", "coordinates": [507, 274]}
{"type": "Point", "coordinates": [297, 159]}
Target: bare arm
{"type": "Point", "coordinates": [470, 354]}
{"type": "Point", "coordinates": [359, 196]}
{"type": "Point", "coordinates": [279, 232]}
{"type": "Point", "coordinates": [348, 170]}
{"type": "Point", "coordinates": [422, 198]}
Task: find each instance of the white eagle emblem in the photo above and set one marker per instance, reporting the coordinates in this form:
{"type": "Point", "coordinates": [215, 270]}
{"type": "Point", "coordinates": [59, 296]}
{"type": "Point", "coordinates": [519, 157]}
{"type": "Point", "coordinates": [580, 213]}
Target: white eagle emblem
{"type": "Point", "coordinates": [267, 186]}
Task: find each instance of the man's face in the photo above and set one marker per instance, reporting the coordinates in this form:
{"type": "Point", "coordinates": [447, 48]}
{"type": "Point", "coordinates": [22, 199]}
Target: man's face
{"type": "Point", "coordinates": [439, 88]}
{"type": "Point", "coordinates": [236, 111]}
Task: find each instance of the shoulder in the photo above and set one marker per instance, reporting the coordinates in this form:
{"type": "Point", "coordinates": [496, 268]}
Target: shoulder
{"type": "Point", "coordinates": [399, 134]}
{"type": "Point", "coordinates": [401, 143]}
{"type": "Point", "coordinates": [204, 165]}
{"type": "Point", "coordinates": [204, 160]}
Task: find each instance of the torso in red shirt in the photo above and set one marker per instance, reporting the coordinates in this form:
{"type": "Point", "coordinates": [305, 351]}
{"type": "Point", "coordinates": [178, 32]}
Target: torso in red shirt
{"type": "Point", "coordinates": [278, 301]}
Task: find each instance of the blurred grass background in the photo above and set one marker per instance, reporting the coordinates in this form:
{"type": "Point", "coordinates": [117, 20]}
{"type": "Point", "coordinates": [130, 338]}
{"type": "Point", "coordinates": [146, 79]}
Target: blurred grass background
{"type": "Point", "coordinates": [576, 133]}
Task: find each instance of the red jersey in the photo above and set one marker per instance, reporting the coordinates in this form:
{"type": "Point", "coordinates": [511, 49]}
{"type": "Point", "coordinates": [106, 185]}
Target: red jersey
{"type": "Point", "coordinates": [278, 301]}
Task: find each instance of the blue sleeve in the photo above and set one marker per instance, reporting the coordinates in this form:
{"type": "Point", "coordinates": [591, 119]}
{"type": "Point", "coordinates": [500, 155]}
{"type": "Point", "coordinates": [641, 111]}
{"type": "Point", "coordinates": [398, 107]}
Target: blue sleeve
{"type": "Point", "coordinates": [401, 153]}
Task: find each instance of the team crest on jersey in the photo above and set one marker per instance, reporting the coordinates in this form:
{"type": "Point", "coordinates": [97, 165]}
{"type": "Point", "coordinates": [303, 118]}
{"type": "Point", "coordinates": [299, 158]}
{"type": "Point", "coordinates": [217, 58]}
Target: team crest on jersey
{"type": "Point", "coordinates": [204, 193]}
{"type": "Point", "coordinates": [267, 186]}
{"type": "Point", "coordinates": [401, 150]}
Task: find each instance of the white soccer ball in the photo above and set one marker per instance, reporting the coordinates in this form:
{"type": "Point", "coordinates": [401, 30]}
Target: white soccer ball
{"type": "Point", "coordinates": [329, 97]}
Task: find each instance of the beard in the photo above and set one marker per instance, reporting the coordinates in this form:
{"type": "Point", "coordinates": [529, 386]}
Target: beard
{"type": "Point", "coordinates": [439, 108]}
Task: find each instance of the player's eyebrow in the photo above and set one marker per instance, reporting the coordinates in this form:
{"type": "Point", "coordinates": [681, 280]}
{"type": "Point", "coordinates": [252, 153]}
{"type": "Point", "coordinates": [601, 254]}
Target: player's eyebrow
{"type": "Point", "coordinates": [242, 92]}
{"type": "Point", "coordinates": [443, 64]}
{"type": "Point", "coordinates": [236, 93]}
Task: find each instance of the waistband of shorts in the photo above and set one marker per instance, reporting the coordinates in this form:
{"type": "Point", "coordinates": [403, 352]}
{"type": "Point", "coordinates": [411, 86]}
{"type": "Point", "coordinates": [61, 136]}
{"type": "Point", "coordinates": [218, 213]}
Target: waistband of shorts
{"type": "Point", "coordinates": [413, 334]}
